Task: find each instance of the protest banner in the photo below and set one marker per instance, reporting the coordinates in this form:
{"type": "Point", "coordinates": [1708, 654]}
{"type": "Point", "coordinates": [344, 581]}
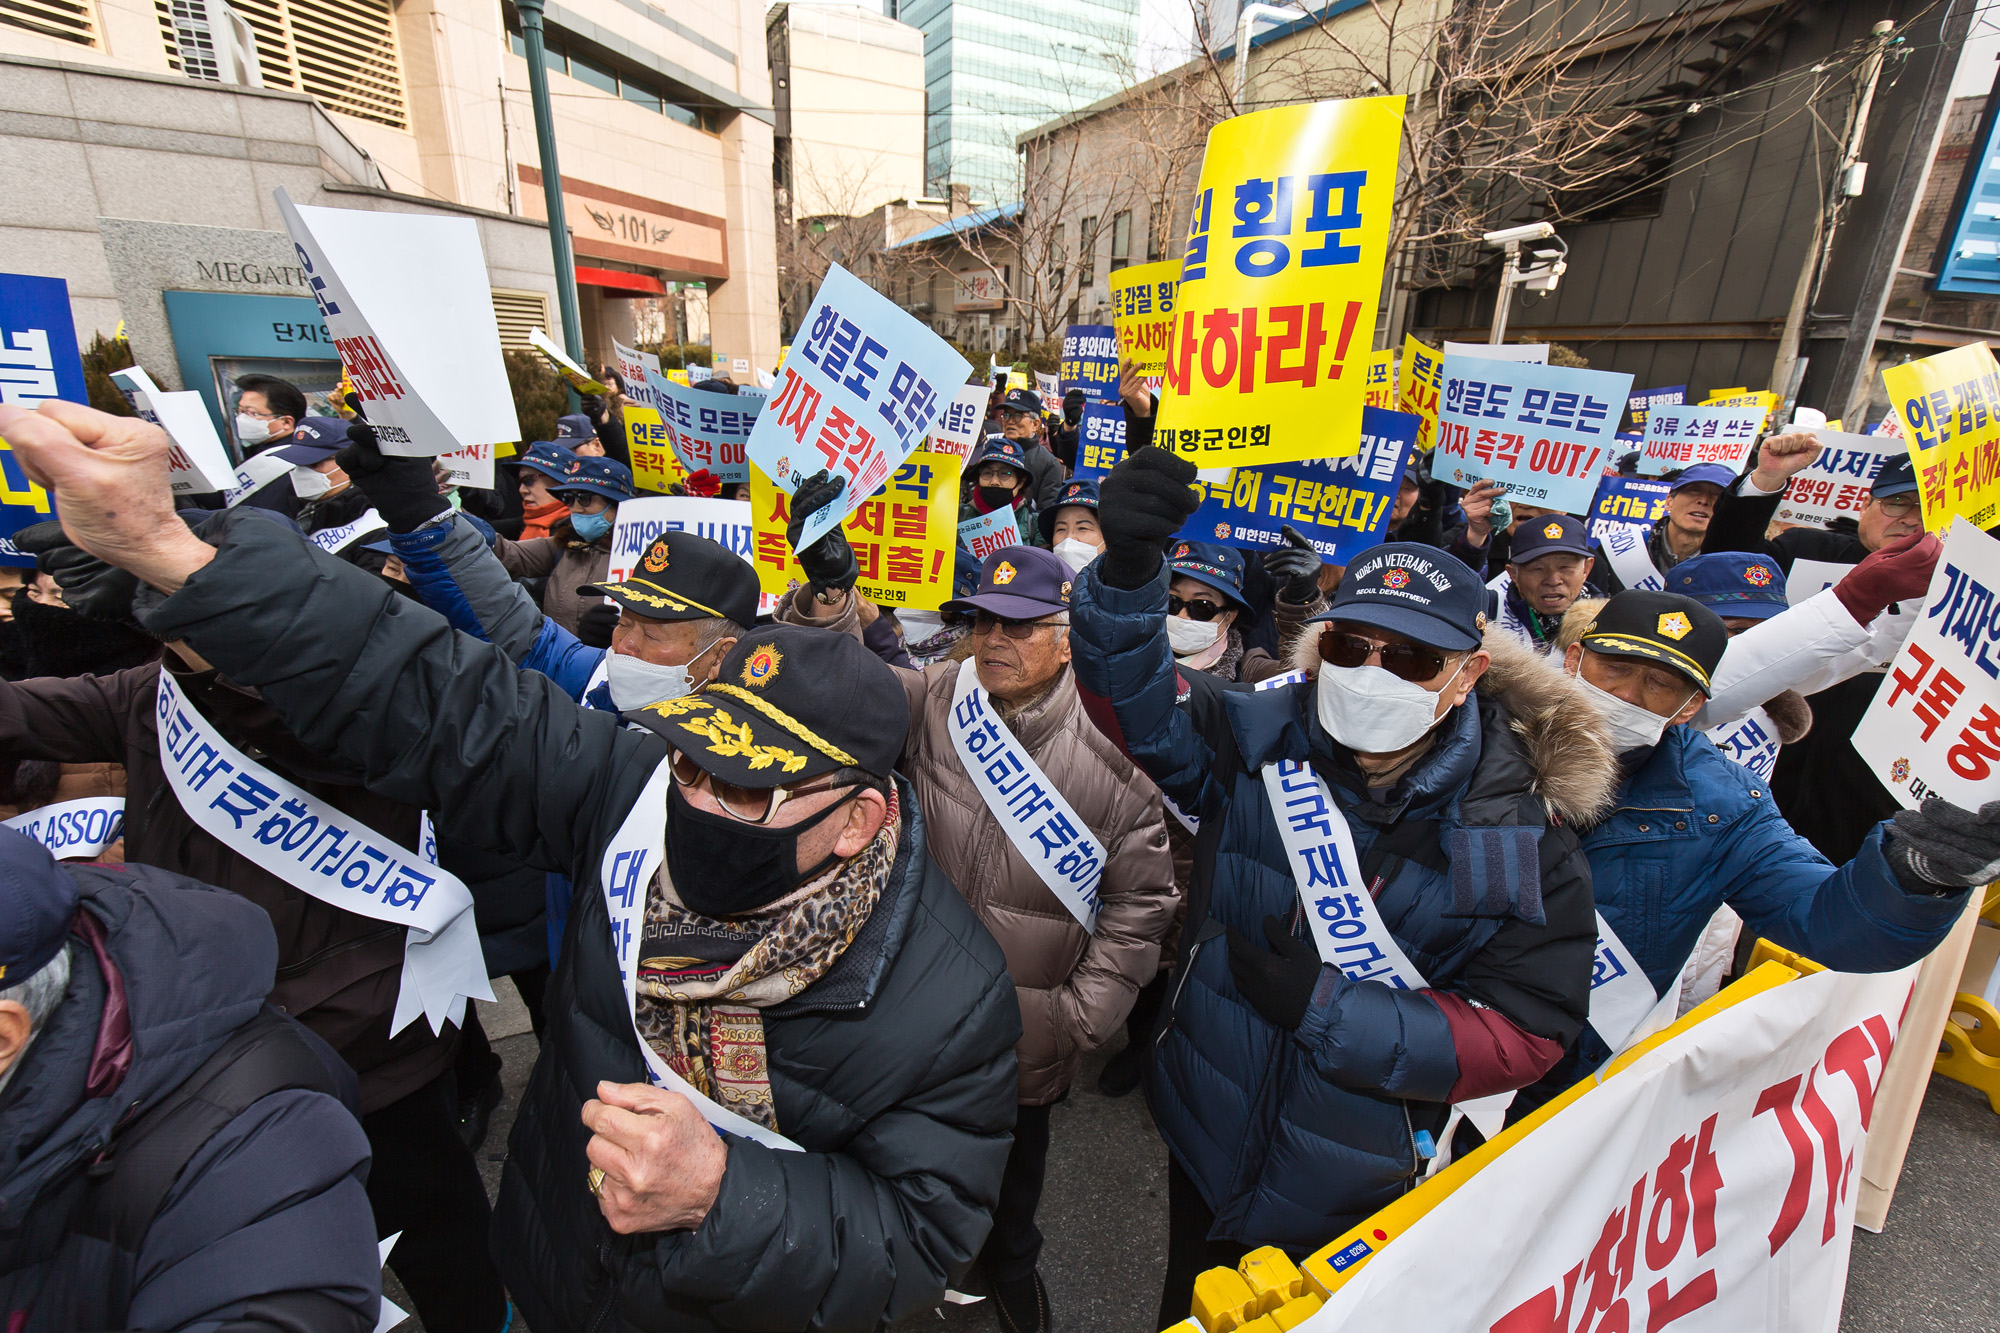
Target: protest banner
{"type": "Point", "coordinates": [1680, 437]}
{"type": "Point", "coordinates": [1280, 283]}
{"type": "Point", "coordinates": [1341, 505]}
{"type": "Point", "coordinates": [724, 522]}
{"type": "Point", "coordinates": [471, 466]}
{"type": "Point", "coordinates": [1701, 1184]}
{"type": "Point", "coordinates": [1142, 313]}
{"type": "Point", "coordinates": [984, 534]}
{"type": "Point", "coordinates": [1949, 410]}
{"type": "Point", "coordinates": [1626, 502]}
{"type": "Point", "coordinates": [1100, 441]}
{"type": "Point", "coordinates": [956, 431]}
{"type": "Point", "coordinates": [197, 460]}
{"type": "Point", "coordinates": [862, 387]}
{"type": "Point", "coordinates": [709, 430]}
{"type": "Point", "coordinates": [1090, 362]}
{"type": "Point", "coordinates": [1836, 484]}
{"type": "Point", "coordinates": [387, 284]}
{"type": "Point", "coordinates": [1381, 381]}
{"type": "Point", "coordinates": [1530, 353]}
{"type": "Point", "coordinates": [1934, 727]}
{"type": "Point", "coordinates": [650, 445]}
{"type": "Point", "coordinates": [1639, 405]}
{"type": "Point", "coordinates": [699, 374]}
{"type": "Point", "coordinates": [904, 535]}
{"type": "Point", "coordinates": [1420, 381]}
{"type": "Point", "coordinates": [1543, 432]}
{"type": "Point", "coordinates": [679, 375]}
{"type": "Point", "coordinates": [1049, 389]}
{"type": "Point", "coordinates": [1763, 400]}
{"type": "Point", "coordinates": [1809, 578]}
{"type": "Point", "coordinates": [631, 367]}
{"type": "Point", "coordinates": [38, 354]}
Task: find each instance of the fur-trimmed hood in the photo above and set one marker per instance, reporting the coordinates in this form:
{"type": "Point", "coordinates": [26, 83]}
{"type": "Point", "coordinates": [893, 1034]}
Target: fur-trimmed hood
{"type": "Point", "coordinates": [1561, 730]}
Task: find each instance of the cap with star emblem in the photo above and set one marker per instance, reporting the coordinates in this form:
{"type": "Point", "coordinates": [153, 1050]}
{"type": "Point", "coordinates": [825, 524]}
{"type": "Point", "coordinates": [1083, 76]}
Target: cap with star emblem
{"type": "Point", "coordinates": [1731, 583]}
{"type": "Point", "coordinates": [685, 577]}
{"type": "Point", "coordinates": [1546, 534]}
{"type": "Point", "coordinates": [1019, 583]}
{"type": "Point", "coordinates": [1663, 628]}
{"type": "Point", "coordinates": [789, 702]}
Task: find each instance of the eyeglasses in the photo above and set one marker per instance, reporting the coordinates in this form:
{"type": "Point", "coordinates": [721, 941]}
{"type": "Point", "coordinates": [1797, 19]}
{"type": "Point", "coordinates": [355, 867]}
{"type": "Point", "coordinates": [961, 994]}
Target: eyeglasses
{"type": "Point", "coordinates": [1197, 610]}
{"type": "Point", "coordinates": [1897, 506]}
{"type": "Point", "coordinates": [1406, 661]}
{"type": "Point", "coordinates": [752, 805]}
{"type": "Point", "coordinates": [984, 621]}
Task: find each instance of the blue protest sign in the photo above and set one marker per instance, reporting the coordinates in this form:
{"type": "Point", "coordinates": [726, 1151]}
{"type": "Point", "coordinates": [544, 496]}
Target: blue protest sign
{"type": "Point", "coordinates": [1090, 361]}
{"type": "Point", "coordinates": [708, 430]}
{"type": "Point", "coordinates": [1543, 432]}
{"type": "Point", "coordinates": [1100, 440]}
{"type": "Point", "coordinates": [38, 356]}
{"type": "Point", "coordinates": [1644, 401]}
{"type": "Point", "coordinates": [1680, 437]}
{"type": "Point", "coordinates": [22, 504]}
{"type": "Point", "coordinates": [1634, 501]}
{"type": "Point", "coordinates": [1340, 505]}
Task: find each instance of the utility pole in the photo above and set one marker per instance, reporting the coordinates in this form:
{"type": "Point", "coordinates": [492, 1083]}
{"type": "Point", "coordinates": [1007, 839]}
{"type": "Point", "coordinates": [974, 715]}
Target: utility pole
{"type": "Point", "coordinates": [545, 145]}
{"type": "Point", "coordinates": [1847, 184]}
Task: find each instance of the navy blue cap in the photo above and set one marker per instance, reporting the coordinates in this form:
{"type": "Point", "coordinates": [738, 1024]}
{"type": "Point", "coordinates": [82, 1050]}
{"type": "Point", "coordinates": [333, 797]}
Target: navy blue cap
{"type": "Point", "coordinates": [998, 449]}
{"type": "Point", "coordinates": [37, 902]}
{"type": "Point", "coordinates": [575, 426]}
{"type": "Point", "coordinates": [1220, 567]}
{"type": "Point", "coordinates": [1022, 400]}
{"type": "Point", "coordinates": [1080, 492]}
{"type": "Point", "coordinates": [1715, 474]}
{"type": "Point", "coordinates": [1412, 589]}
{"type": "Point", "coordinates": [1898, 476]}
{"type": "Point", "coordinates": [599, 476]}
{"type": "Point", "coordinates": [1019, 583]}
{"type": "Point", "coordinates": [1731, 583]}
{"type": "Point", "coordinates": [554, 461]}
{"type": "Point", "coordinates": [1547, 534]}
{"type": "Point", "coordinates": [314, 439]}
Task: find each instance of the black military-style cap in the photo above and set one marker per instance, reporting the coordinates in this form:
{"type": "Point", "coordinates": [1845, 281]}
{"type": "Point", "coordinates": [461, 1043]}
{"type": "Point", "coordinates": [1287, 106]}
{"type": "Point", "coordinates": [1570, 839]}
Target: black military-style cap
{"type": "Point", "coordinates": [685, 577]}
{"type": "Point", "coordinates": [1663, 628]}
{"type": "Point", "coordinates": [790, 702]}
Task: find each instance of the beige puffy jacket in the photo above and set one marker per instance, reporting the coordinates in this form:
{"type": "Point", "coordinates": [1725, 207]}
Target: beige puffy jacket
{"type": "Point", "coordinates": [1075, 989]}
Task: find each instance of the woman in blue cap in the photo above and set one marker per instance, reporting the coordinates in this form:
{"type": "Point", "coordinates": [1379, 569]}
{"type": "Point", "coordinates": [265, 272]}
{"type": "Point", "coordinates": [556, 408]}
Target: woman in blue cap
{"type": "Point", "coordinates": [577, 550]}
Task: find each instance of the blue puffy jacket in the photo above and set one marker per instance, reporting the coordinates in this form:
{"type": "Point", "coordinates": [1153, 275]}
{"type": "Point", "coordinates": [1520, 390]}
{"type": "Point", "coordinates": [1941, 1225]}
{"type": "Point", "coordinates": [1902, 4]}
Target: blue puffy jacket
{"type": "Point", "coordinates": [1292, 1137]}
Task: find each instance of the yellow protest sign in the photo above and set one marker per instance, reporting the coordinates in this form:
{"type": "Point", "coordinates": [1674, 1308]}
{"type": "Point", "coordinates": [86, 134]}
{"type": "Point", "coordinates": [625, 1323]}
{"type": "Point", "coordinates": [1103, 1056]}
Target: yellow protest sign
{"type": "Point", "coordinates": [1142, 311]}
{"type": "Point", "coordinates": [650, 444]}
{"type": "Point", "coordinates": [1763, 398]}
{"type": "Point", "coordinates": [1275, 314]}
{"type": "Point", "coordinates": [1949, 405]}
{"type": "Point", "coordinates": [1381, 380]}
{"type": "Point", "coordinates": [1422, 379]}
{"type": "Point", "coordinates": [574, 375]}
{"type": "Point", "coordinates": [904, 536]}
{"type": "Point", "coordinates": [680, 377]}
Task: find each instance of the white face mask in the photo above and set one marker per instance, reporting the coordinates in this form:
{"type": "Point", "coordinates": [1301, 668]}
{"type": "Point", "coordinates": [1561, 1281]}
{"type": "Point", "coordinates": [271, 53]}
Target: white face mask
{"type": "Point", "coordinates": [252, 430]}
{"type": "Point", "coordinates": [634, 682]}
{"type": "Point", "coordinates": [1631, 727]}
{"type": "Point", "coordinates": [308, 484]}
{"type": "Point", "coordinates": [1372, 711]}
{"type": "Point", "coordinates": [1188, 637]}
{"type": "Point", "coordinates": [1076, 554]}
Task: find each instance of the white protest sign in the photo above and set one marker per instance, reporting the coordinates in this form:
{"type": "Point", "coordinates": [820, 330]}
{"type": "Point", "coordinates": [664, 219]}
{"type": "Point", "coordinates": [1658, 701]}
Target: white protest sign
{"type": "Point", "coordinates": [197, 462]}
{"type": "Point", "coordinates": [1678, 437]}
{"type": "Point", "coordinates": [471, 466]}
{"type": "Point", "coordinates": [1543, 432]}
{"type": "Point", "coordinates": [1810, 578]}
{"type": "Point", "coordinates": [1532, 353]}
{"type": "Point", "coordinates": [987, 533]}
{"type": "Point", "coordinates": [1835, 484]}
{"type": "Point", "coordinates": [410, 306]}
{"type": "Point", "coordinates": [862, 386]}
{"type": "Point", "coordinates": [708, 430]}
{"type": "Point", "coordinates": [724, 522]}
{"type": "Point", "coordinates": [632, 369]}
{"type": "Point", "coordinates": [699, 374]}
{"type": "Point", "coordinates": [1049, 388]}
{"type": "Point", "coordinates": [956, 431]}
{"type": "Point", "coordinates": [1934, 728]}
{"type": "Point", "coordinates": [650, 363]}
{"type": "Point", "coordinates": [1706, 1188]}
{"type": "Point", "coordinates": [574, 375]}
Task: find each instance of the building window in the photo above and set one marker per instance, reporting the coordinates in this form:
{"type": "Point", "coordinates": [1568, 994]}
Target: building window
{"type": "Point", "coordinates": [1086, 252]}
{"type": "Point", "coordinates": [1155, 240]}
{"type": "Point", "coordinates": [1121, 240]}
{"type": "Point", "coordinates": [631, 85]}
{"type": "Point", "coordinates": [64, 20]}
{"type": "Point", "coordinates": [518, 313]}
{"type": "Point", "coordinates": [341, 52]}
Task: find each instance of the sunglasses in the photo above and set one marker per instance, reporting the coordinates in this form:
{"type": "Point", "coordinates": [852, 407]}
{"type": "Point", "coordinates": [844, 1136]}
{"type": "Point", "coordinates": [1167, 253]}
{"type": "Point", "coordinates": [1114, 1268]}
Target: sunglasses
{"type": "Point", "coordinates": [752, 805]}
{"type": "Point", "coordinates": [984, 621]}
{"type": "Point", "coordinates": [1197, 610]}
{"type": "Point", "coordinates": [1406, 661]}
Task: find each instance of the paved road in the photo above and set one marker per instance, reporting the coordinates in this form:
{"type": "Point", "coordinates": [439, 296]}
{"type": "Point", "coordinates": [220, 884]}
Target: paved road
{"type": "Point", "coordinates": [1935, 1270]}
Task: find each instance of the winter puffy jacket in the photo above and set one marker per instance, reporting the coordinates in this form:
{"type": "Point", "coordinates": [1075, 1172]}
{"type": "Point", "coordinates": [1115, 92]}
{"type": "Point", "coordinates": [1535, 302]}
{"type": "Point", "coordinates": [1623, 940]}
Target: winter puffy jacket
{"type": "Point", "coordinates": [894, 1072]}
{"type": "Point", "coordinates": [268, 1225]}
{"type": "Point", "coordinates": [567, 561]}
{"type": "Point", "coordinates": [1292, 1137]}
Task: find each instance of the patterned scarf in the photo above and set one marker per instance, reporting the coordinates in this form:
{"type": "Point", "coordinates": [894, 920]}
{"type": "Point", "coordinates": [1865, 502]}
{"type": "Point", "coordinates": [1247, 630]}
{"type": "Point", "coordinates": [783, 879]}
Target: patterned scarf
{"type": "Point", "coordinates": [702, 980]}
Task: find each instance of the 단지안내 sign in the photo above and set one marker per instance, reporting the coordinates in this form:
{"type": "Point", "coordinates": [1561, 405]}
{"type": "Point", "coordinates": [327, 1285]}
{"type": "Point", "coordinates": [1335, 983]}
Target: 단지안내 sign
{"type": "Point", "coordinates": [905, 536]}
{"type": "Point", "coordinates": [862, 387]}
{"type": "Point", "coordinates": [1280, 282]}
{"type": "Point", "coordinates": [38, 354]}
{"type": "Point", "coordinates": [1090, 361]}
{"type": "Point", "coordinates": [1949, 407]}
{"type": "Point", "coordinates": [1934, 727]}
{"type": "Point", "coordinates": [1100, 439]}
{"type": "Point", "coordinates": [956, 431]}
{"type": "Point", "coordinates": [1543, 432]}
{"type": "Point", "coordinates": [1837, 483]}
{"type": "Point", "coordinates": [1142, 313]}
{"type": "Point", "coordinates": [1680, 437]}
{"type": "Point", "coordinates": [709, 430]}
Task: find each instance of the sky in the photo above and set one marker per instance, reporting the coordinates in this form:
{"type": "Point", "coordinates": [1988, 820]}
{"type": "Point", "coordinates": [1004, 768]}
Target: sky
{"type": "Point", "coordinates": [1976, 66]}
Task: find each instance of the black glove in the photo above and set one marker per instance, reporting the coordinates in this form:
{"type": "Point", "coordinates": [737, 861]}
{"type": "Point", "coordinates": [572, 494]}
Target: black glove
{"type": "Point", "coordinates": [594, 626]}
{"type": "Point", "coordinates": [1941, 846]}
{"type": "Point", "coordinates": [1296, 565]}
{"type": "Point", "coordinates": [403, 490]}
{"type": "Point", "coordinates": [1279, 984]}
{"type": "Point", "coordinates": [828, 562]}
{"type": "Point", "coordinates": [93, 589]}
{"type": "Point", "coordinates": [1141, 505]}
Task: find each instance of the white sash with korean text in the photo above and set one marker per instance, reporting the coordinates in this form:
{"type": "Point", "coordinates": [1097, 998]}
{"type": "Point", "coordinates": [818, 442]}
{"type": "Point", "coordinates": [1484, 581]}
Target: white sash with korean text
{"type": "Point", "coordinates": [335, 540]}
{"type": "Point", "coordinates": [1051, 837]}
{"type": "Point", "coordinates": [1625, 547]}
{"type": "Point", "coordinates": [76, 830]}
{"type": "Point", "coordinates": [327, 853]}
{"type": "Point", "coordinates": [1751, 741]}
{"type": "Point", "coordinates": [634, 855]}
{"type": "Point", "coordinates": [1620, 996]}
{"type": "Point", "coordinates": [1192, 823]}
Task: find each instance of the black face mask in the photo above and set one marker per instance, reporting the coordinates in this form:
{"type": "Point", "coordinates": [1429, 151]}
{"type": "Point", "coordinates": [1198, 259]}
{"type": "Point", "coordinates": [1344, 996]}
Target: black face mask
{"type": "Point", "coordinates": [996, 497]}
{"type": "Point", "coordinates": [724, 867]}
{"type": "Point", "coordinates": [56, 641]}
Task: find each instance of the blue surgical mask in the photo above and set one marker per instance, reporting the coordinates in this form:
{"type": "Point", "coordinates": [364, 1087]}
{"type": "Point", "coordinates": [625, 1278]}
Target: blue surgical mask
{"type": "Point", "coordinates": [589, 527]}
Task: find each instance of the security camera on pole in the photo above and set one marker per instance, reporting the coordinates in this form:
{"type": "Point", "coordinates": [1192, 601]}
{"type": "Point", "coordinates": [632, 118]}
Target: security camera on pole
{"type": "Point", "coordinates": [1544, 269]}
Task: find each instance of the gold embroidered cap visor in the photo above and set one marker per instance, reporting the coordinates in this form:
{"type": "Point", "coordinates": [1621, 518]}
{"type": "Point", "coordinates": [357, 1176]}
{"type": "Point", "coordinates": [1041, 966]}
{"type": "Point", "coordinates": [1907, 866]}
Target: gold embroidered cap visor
{"type": "Point", "coordinates": [788, 703]}
{"type": "Point", "coordinates": [1663, 628]}
{"type": "Point", "coordinates": [682, 576]}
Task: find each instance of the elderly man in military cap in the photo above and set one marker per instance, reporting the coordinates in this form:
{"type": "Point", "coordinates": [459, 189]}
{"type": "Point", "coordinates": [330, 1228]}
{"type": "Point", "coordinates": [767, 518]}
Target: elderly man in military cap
{"type": "Point", "coordinates": [777, 1083]}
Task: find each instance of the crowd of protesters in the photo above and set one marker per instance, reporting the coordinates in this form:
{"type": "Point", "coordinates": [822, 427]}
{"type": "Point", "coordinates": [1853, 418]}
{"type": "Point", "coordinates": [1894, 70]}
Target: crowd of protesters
{"type": "Point", "coordinates": [816, 914]}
